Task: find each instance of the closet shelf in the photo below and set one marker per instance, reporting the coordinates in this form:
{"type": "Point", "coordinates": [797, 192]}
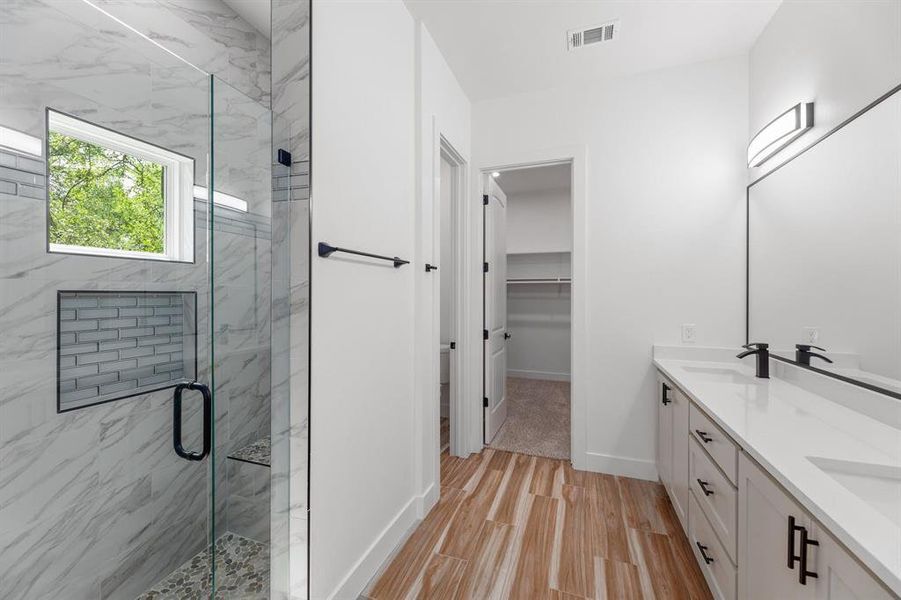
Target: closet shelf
{"type": "Point", "coordinates": [537, 252]}
{"type": "Point", "coordinates": [555, 280]}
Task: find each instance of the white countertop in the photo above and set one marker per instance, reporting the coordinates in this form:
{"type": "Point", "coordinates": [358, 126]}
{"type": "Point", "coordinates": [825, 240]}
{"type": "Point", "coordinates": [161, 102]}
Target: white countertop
{"type": "Point", "coordinates": [781, 424]}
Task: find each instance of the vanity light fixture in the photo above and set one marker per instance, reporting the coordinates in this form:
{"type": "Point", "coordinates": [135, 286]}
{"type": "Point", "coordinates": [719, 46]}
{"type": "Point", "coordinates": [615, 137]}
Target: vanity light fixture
{"type": "Point", "coordinates": [779, 133]}
{"type": "Point", "coordinates": [496, 174]}
{"type": "Point", "coordinates": [221, 199]}
{"type": "Point", "coordinates": [21, 142]}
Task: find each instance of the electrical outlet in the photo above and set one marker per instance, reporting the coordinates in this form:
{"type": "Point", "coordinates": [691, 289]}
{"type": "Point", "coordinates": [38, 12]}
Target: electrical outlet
{"type": "Point", "coordinates": [812, 334]}
{"type": "Point", "coordinates": [688, 333]}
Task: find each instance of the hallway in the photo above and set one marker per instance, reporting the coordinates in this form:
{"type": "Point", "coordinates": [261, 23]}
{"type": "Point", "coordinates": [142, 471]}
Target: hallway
{"type": "Point", "coordinates": [515, 526]}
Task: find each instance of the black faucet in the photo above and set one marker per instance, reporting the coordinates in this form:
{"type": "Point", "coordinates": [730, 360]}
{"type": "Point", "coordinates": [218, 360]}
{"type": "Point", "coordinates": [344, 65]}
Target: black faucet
{"type": "Point", "coordinates": [762, 351]}
{"type": "Point", "coordinates": [803, 354]}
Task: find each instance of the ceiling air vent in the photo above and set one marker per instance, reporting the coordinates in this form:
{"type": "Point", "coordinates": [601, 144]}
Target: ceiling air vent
{"type": "Point", "coordinates": [606, 32]}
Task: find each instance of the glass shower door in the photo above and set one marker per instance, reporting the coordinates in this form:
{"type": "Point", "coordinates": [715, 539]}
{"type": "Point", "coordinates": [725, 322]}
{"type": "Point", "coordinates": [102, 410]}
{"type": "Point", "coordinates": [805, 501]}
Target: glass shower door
{"type": "Point", "coordinates": [104, 311]}
{"type": "Point", "coordinates": [240, 242]}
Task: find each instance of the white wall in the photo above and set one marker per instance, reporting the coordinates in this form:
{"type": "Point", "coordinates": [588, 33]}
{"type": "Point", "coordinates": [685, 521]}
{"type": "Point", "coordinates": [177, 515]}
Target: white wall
{"type": "Point", "coordinates": [538, 316]}
{"type": "Point", "coordinates": [840, 54]}
{"type": "Point", "coordinates": [538, 319]}
{"type": "Point", "coordinates": [664, 224]}
{"type": "Point", "coordinates": [370, 469]}
{"type": "Point", "coordinates": [362, 414]}
{"type": "Point", "coordinates": [443, 111]}
{"type": "Point", "coordinates": [539, 221]}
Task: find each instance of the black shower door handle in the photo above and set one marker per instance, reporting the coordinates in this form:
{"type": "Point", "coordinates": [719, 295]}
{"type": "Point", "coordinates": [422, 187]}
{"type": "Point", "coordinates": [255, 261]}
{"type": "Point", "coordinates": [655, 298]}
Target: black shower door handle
{"type": "Point", "coordinates": [207, 420]}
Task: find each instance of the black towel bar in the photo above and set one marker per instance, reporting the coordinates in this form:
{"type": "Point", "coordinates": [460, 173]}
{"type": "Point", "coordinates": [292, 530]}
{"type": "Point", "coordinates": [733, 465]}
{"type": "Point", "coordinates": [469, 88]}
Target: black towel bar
{"type": "Point", "coordinates": [326, 250]}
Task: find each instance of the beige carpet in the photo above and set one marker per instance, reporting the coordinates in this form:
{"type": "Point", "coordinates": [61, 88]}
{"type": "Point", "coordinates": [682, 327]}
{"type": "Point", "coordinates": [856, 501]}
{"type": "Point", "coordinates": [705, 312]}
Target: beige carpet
{"type": "Point", "coordinates": [537, 418]}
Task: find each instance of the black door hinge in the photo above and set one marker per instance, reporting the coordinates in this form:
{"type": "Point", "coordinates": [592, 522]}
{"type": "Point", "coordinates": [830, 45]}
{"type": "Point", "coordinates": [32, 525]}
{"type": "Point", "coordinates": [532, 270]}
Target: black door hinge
{"type": "Point", "coordinates": [484, 334]}
{"type": "Point", "coordinates": [485, 402]}
{"type": "Point", "coordinates": [484, 267]}
{"type": "Point", "coordinates": [453, 345]}
{"type": "Point", "coordinates": [485, 199]}
{"type": "Point", "coordinates": [284, 157]}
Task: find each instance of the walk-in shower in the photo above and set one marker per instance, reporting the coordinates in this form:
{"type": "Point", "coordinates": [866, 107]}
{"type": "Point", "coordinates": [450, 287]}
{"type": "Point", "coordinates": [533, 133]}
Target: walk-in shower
{"type": "Point", "coordinates": [153, 305]}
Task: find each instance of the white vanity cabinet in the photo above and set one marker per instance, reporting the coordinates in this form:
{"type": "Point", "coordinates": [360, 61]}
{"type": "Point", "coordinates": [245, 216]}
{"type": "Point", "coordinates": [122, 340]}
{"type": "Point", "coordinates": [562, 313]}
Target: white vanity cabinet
{"type": "Point", "coordinates": [773, 531]}
{"type": "Point", "coordinates": [672, 445]}
{"type": "Point", "coordinates": [746, 531]}
{"type": "Point", "coordinates": [839, 575]}
{"type": "Point", "coordinates": [765, 514]}
{"type": "Point", "coordinates": [665, 393]}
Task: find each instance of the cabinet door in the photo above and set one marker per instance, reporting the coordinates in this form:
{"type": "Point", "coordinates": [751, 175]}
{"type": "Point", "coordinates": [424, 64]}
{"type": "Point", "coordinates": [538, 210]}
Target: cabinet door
{"type": "Point", "coordinates": [665, 395]}
{"type": "Point", "coordinates": [839, 575]}
{"type": "Point", "coordinates": [679, 474]}
{"type": "Point", "coordinates": [765, 539]}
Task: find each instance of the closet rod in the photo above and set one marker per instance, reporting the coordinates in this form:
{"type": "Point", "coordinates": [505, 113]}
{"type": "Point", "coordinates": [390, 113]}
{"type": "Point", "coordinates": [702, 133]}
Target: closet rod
{"type": "Point", "coordinates": [541, 280]}
{"type": "Point", "coordinates": [326, 250]}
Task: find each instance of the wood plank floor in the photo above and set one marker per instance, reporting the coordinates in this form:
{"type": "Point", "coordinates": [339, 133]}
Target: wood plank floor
{"type": "Point", "coordinates": [513, 526]}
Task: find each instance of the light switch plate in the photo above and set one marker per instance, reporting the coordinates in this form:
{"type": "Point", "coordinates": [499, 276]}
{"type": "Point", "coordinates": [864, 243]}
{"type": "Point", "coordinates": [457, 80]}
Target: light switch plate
{"type": "Point", "coordinates": [688, 333]}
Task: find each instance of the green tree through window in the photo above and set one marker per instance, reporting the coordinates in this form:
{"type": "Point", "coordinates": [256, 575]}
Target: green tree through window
{"type": "Point", "coordinates": [102, 198]}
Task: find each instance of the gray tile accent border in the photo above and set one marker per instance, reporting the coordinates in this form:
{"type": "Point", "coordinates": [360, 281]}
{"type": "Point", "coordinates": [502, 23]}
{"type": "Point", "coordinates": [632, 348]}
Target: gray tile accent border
{"type": "Point", "coordinates": [116, 344]}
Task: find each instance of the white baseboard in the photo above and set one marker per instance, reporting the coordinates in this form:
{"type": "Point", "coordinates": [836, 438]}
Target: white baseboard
{"type": "Point", "coordinates": [368, 566]}
{"type": "Point", "coordinates": [383, 549]}
{"type": "Point", "coordinates": [545, 375]}
{"type": "Point", "coordinates": [427, 500]}
{"type": "Point", "coordinates": [619, 465]}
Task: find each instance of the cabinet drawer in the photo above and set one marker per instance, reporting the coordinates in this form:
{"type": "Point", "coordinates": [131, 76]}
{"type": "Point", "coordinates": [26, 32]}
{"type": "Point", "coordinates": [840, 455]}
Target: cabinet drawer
{"type": "Point", "coordinates": [718, 570]}
{"type": "Point", "coordinates": [715, 442]}
{"type": "Point", "coordinates": [716, 497]}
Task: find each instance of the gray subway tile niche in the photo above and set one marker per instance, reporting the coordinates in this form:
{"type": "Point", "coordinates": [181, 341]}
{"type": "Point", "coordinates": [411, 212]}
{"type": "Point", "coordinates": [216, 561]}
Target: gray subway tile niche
{"type": "Point", "coordinates": [113, 345]}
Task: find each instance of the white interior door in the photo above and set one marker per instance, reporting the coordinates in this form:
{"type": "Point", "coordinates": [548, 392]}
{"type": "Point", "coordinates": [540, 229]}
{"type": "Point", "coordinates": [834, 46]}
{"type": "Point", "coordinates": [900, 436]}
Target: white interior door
{"type": "Point", "coordinates": [495, 294]}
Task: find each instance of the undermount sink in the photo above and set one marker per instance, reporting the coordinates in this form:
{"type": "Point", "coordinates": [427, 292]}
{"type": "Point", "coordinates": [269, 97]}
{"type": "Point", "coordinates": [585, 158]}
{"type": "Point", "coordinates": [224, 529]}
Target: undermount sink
{"type": "Point", "coordinates": [720, 374]}
{"type": "Point", "coordinates": [877, 485]}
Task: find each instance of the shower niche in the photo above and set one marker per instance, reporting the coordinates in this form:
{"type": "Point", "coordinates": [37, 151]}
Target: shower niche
{"type": "Point", "coordinates": [119, 344]}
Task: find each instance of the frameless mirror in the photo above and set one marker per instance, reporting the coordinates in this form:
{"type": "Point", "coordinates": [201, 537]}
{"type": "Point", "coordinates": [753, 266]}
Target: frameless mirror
{"type": "Point", "coordinates": [824, 252]}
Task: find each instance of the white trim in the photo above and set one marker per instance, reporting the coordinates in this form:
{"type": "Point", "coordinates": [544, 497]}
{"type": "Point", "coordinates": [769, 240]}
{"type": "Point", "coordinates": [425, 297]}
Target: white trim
{"type": "Point", "coordinates": [577, 157]}
{"type": "Point", "coordinates": [460, 170]}
{"type": "Point", "coordinates": [178, 194]}
{"type": "Point", "coordinates": [542, 375]}
{"type": "Point", "coordinates": [621, 466]}
{"type": "Point", "coordinates": [379, 552]}
{"type": "Point", "coordinates": [18, 141]}
{"type": "Point", "coordinates": [382, 551]}
{"type": "Point", "coordinates": [221, 198]}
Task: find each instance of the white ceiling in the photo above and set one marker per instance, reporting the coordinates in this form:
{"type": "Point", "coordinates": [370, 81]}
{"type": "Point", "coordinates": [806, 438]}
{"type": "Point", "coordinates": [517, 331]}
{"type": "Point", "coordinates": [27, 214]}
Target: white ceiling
{"type": "Point", "coordinates": [256, 12]}
{"type": "Point", "coordinates": [535, 179]}
{"type": "Point", "coordinates": [502, 47]}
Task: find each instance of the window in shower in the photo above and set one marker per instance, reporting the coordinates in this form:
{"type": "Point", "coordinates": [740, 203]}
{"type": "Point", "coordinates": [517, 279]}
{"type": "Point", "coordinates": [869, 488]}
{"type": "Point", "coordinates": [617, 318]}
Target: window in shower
{"type": "Point", "coordinates": [113, 195]}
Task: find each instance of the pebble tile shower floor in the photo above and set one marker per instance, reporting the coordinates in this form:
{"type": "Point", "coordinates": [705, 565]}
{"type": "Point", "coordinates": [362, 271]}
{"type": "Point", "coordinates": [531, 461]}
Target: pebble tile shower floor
{"type": "Point", "coordinates": [242, 573]}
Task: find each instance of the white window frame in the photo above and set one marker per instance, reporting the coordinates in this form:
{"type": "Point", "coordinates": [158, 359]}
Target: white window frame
{"type": "Point", "coordinates": [178, 189]}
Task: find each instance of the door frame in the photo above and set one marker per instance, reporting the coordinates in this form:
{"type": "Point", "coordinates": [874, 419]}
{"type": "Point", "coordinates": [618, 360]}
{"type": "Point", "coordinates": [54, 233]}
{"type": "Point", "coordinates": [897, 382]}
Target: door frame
{"type": "Point", "coordinates": [445, 150]}
{"type": "Point", "coordinates": [576, 157]}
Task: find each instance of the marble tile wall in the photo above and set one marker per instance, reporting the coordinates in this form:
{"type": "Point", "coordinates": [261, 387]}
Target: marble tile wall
{"type": "Point", "coordinates": [290, 297]}
{"type": "Point", "coordinates": [116, 345]}
{"type": "Point", "coordinates": [94, 503]}
{"type": "Point", "coordinates": [206, 33]}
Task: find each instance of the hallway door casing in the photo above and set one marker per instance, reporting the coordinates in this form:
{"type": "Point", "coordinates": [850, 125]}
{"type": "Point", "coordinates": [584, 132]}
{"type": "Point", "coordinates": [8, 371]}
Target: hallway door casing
{"type": "Point", "coordinates": [495, 310]}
